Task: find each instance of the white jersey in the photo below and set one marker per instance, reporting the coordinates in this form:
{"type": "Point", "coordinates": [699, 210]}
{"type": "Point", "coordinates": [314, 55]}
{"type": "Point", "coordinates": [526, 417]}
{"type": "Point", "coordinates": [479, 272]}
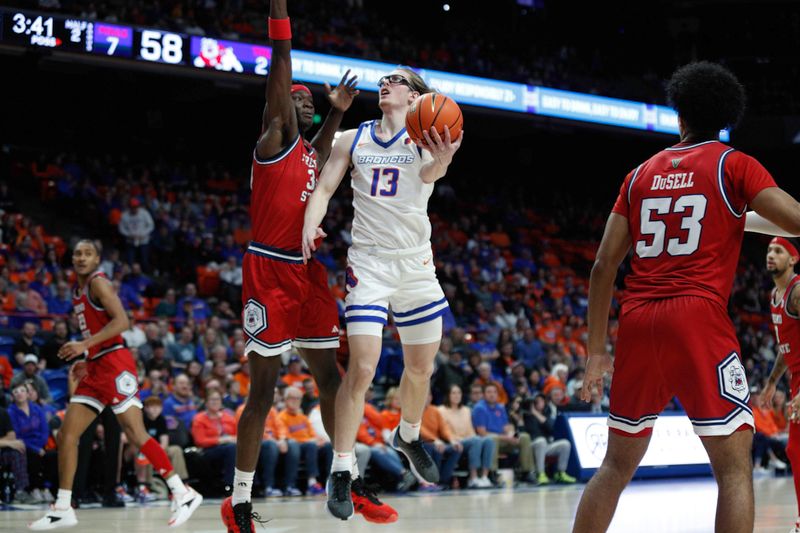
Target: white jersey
{"type": "Point", "coordinates": [389, 198]}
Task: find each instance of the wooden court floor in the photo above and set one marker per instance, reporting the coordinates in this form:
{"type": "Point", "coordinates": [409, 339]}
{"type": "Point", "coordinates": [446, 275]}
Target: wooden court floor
{"type": "Point", "coordinates": [647, 506]}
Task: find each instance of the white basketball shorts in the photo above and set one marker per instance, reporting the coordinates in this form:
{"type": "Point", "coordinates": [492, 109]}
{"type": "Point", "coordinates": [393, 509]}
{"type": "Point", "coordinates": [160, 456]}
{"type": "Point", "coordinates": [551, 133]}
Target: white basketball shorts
{"type": "Point", "coordinates": [404, 281]}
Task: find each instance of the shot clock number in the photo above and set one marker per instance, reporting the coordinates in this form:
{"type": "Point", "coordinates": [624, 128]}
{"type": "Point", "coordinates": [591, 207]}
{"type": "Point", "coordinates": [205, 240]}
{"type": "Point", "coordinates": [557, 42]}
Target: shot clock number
{"type": "Point", "coordinates": [157, 46]}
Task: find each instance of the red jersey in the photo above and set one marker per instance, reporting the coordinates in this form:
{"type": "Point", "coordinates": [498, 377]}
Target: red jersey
{"type": "Point", "coordinates": [281, 186]}
{"type": "Point", "coordinates": [685, 208]}
{"type": "Point", "coordinates": [92, 318]}
{"type": "Point", "coordinates": [787, 328]}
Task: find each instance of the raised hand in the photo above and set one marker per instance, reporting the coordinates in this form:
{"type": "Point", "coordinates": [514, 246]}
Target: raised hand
{"type": "Point", "coordinates": [343, 94]}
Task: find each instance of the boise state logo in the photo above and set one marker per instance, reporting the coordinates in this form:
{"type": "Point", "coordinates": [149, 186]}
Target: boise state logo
{"type": "Point", "coordinates": [350, 278]}
{"type": "Point", "coordinates": [254, 317]}
{"type": "Point", "coordinates": [733, 381]}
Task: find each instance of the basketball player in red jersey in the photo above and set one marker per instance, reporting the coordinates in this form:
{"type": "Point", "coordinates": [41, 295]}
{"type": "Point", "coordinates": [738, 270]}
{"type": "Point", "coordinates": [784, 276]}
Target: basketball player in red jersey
{"type": "Point", "coordinates": [682, 212]}
{"type": "Point", "coordinates": [107, 377]}
{"type": "Point", "coordinates": [287, 302]}
{"type": "Point", "coordinates": [782, 256]}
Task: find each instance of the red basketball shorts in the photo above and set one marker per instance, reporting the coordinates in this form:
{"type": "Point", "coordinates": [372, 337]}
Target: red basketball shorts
{"type": "Point", "coordinates": [110, 380]}
{"type": "Point", "coordinates": [286, 302]}
{"type": "Point", "coordinates": [684, 347]}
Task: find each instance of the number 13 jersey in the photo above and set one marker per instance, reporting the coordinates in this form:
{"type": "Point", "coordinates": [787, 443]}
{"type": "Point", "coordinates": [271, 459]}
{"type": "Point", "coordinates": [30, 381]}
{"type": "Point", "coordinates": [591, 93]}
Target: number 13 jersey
{"type": "Point", "coordinates": [389, 197]}
{"type": "Point", "coordinates": [686, 211]}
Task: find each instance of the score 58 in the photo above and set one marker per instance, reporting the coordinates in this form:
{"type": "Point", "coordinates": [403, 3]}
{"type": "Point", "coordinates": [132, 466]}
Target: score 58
{"type": "Point", "coordinates": [161, 47]}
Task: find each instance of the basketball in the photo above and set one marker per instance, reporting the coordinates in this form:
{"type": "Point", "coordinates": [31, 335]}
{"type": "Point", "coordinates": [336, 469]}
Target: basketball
{"type": "Point", "coordinates": [433, 110]}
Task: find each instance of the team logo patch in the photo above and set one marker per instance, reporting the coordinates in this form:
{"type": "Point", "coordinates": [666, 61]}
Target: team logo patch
{"type": "Point", "coordinates": [126, 384]}
{"type": "Point", "coordinates": [254, 317]}
{"type": "Point", "coordinates": [350, 277]}
{"type": "Point", "coordinates": [675, 163]}
{"type": "Point", "coordinates": [733, 381]}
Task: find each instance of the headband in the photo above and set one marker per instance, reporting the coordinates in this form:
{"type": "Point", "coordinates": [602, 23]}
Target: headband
{"type": "Point", "coordinates": [787, 245]}
{"type": "Point", "coordinates": [298, 87]}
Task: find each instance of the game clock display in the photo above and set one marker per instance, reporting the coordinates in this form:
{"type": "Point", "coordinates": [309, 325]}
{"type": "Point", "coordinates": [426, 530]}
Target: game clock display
{"type": "Point", "coordinates": [85, 36]}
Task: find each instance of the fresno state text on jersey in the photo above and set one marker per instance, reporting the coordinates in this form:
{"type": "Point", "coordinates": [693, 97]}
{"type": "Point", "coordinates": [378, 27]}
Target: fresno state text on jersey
{"type": "Point", "coordinates": [281, 186]}
{"type": "Point", "coordinates": [787, 328]}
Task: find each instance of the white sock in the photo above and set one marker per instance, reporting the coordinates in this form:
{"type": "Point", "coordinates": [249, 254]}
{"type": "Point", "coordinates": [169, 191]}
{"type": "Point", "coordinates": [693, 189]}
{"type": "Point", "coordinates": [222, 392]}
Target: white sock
{"type": "Point", "coordinates": [64, 499]}
{"type": "Point", "coordinates": [176, 486]}
{"type": "Point", "coordinates": [312, 481]}
{"type": "Point", "coordinates": [342, 462]}
{"type": "Point", "coordinates": [242, 486]}
{"type": "Point", "coordinates": [354, 472]}
{"type": "Point", "coordinates": [408, 431]}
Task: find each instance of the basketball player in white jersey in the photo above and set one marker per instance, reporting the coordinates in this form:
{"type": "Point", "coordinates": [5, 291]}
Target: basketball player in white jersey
{"type": "Point", "coordinates": [390, 264]}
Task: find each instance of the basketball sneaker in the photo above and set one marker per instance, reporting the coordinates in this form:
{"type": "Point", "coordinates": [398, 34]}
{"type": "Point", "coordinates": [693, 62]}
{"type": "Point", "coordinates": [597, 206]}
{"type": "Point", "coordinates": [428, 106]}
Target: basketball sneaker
{"type": "Point", "coordinates": [183, 506]}
{"type": "Point", "coordinates": [239, 518]}
{"type": "Point", "coordinates": [55, 519]}
{"type": "Point", "coordinates": [418, 458]}
{"type": "Point", "coordinates": [340, 500]}
{"type": "Point", "coordinates": [796, 528]}
{"type": "Point", "coordinates": [563, 477]}
{"type": "Point", "coordinates": [367, 504]}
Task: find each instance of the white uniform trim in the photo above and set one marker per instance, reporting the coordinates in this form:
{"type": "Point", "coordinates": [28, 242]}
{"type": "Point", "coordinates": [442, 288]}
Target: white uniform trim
{"type": "Point", "coordinates": [721, 182]}
{"type": "Point", "coordinates": [127, 403]}
{"type": "Point", "coordinates": [316, 343]}
{"type": "Point", "coordinates": [629, 425]}
{"type": "Point", "coordinates": [267, 350]}
{"type": "Point", "coordinates": [95, 404]}
{"type": "Point", "coordinates": [725, 426]}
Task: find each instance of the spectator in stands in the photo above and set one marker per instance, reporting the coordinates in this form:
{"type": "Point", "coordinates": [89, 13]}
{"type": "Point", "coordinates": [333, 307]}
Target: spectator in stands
{"type": "Point", "coordinates": [539, 420]}
{"type": "Point", "coordinates": [49, 352]}
{"type": "Point", "coordinates": [61, 302]}
{"type": "Point", "coordinates": [199, 308]}
{"type": "Point", "coordinates": [439, 441]}
{"type": "Point", "coordinates": [479, 450]}
{"type": "Point", "coordinates": [28, 299]}
{"type": "Point", "coordinates": [214, 430]}
{"type": "Point", "coordinates": [485, 377]}
{"type": "Point", "coordinates": [243, 377]}
{"type": "Point", "coordinates": [156, 426]}
{"type": "Point", "coordinates": [490, 419]}
{"type": "Point", "coordinates": [137, 280]}
{"type": "Point", "coordinates": [155, 385]}
{"type": "Point", "coordinates": [159, 359]}
{"type": "Point", "coordinates": [231, 276]}
{"type": "Point", "coordinates": [13, 457]}
{"type": "Point", "coordinates": [313, 448]}
{"type": "Point", "coordinates": [530, 350]}
{"type": "Point", "coordinates": [275, 443]}
{"type": "Point", "coordinates": [151, 336]}
{"type": "Point", "coordinates": [391, 411]}
{"type": "Point", "coordinates": [181, 404]}
{"type": "Point", "coordinates": [135, 226]}
{"type": "Point", "coordinates": [450, 371]}
{"type": "Point", "coordinates": [384, 458]}
{"type": "Point", "coordinates": [475, 395]}
{"type": "Point", "coordinates": [209, 341]}
{"type": "Point", "coordinates": [30, 372]}
{"type": "Point", "coordinates": [25, 344]}
{"type": "Point", "coordinates": [30, 426]}
{"type": "Point", "coordinates": [310, 396]}
{"type": "Point", "coordinates": [768, 451]}
{"type": "Point", "coordinates": [184, 350]}
{"type": "Point", "coordinates": [134, 336]}
{"type": "Point", "coordinates": [295, 376]}
{"type": "Point", "coordinates": [167, 306]}
{"type": "Point", "coordinates": [233, 399]}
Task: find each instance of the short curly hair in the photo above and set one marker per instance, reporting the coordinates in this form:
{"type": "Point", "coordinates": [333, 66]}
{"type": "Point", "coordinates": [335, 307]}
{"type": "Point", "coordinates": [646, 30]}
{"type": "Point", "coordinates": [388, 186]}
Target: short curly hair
{"type": "Point", "coordinates": [707, 96]}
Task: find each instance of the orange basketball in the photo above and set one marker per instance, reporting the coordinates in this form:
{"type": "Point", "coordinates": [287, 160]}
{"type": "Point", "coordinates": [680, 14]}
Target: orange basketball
{"type": "Point", "coordinates": [433, 110]}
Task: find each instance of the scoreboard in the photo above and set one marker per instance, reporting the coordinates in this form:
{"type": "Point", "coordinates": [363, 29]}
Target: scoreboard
{"type": "Point", "coordinates": [29, 29]}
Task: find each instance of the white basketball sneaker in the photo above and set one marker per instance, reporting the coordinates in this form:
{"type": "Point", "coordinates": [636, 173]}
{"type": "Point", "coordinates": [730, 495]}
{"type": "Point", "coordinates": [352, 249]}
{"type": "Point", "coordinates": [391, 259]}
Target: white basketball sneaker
{"type": "Point", "coordinates": [55, 519]}
{"type": "Point", "coordinates": [183, 507]}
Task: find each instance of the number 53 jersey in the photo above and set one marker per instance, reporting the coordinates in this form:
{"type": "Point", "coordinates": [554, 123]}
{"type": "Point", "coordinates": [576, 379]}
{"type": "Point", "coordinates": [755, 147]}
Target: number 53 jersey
{"type": "Point", "coordinates": [389, 198]}
{"type": "Point", "coordinates": [686, 211]}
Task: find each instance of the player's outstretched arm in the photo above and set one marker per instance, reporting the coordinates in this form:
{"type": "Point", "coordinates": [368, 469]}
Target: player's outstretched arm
{"type": "Point", "coordinates": [280, 119]}
{"type": "Point", "coordinates": [755, 223]}
{"type": "Point", "coordinates": [102, 291]}
{"type": "Point", "coordinates": [329, 180]}
{"type": "Point", "coordinates": [778, 207]}
{"type": "Point", "coordinates": [438, 154]}
{"type": "Point", "coordinates": [340, 99]}
{"type": "Point", "coordinates": [613, 249]}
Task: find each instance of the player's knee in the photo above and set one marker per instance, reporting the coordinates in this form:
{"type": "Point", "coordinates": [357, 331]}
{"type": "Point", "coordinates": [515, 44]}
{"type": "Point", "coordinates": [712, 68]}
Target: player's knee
{"type": "Point", "coordinates": [66, 439]}
{"type": "Point", "coordinates": [419, 371]}
{"type": "Point", "coordinates": [360, 375]}
{"type": "Point", "coordinates": [257, 406]}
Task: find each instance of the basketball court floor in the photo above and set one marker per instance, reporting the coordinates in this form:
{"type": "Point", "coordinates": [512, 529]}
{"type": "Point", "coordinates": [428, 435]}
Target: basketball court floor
{"type": "Point", "coordinates": [653, 506]}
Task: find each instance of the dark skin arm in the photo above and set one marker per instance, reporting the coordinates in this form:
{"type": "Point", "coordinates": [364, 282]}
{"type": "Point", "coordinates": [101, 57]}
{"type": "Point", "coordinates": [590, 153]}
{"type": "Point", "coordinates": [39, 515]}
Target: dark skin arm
{"type": "Point", "coordinates": [780, 363]}
{"type": "Point", "coordinates": [340, 99]}
{"type": "Point", "coordinates": [613, 248]}
{"type": "Point", "coordinates": [280, 119]}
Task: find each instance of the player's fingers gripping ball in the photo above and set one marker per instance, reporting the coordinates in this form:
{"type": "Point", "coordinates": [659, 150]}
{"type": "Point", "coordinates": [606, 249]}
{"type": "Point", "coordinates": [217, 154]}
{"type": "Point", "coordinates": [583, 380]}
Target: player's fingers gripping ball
{"type": "Point", "coordinates": [433, 110]}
